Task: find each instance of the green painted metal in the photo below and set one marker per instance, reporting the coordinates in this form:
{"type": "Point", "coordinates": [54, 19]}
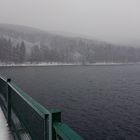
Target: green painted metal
{"type": "Point", "coordinates": [9, 103]}
{"type": "Point", "coordinates": [42, 111]}
{"type": "Point", "coordinates": [65, 132]}
{"type": "Point", "coordinates": [61, 129]}
{"type": "Point", "coordinates": [53, 129]}
{"type": "Point", "coordinates": [35, 105]}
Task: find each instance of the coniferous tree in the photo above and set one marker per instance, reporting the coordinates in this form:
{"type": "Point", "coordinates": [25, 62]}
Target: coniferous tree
{"type": "Point", "coordinates": [22, 51]}
{"type": "Point", "coordinates": [35, 54]}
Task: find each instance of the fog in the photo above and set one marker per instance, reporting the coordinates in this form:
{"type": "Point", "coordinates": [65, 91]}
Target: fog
{"type": "Point", "coordinates": [116, 21]}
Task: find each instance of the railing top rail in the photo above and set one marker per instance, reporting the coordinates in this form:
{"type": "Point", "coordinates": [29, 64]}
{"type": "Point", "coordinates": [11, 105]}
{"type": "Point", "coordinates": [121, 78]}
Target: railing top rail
{"type": "Point", "coordinates": [3, 78]}
{"type": "Point", "coordinates": [34, 104]}
{"type": "Point", "coordinates": [65, 132]}
{"type": "Point", "coordinates": [29, 100]}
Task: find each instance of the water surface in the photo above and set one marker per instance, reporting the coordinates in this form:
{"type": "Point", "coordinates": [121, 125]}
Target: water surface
{"type": "Point", "coordinates": [99, 102]}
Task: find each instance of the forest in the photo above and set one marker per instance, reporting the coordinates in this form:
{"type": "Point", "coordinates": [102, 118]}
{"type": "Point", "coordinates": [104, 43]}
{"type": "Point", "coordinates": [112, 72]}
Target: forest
{"type": "Point", "coordinates": [80, 53]}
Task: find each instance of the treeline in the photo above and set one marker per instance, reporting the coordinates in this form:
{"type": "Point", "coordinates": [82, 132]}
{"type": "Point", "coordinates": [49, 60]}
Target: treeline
{"type": "Point", "coordinates": [85, 54]}
{"type": "Point", "coordinates": [72, 52]}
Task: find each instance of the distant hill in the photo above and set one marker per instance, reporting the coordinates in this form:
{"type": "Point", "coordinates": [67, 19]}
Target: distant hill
{"type": "Point", "coordinates": [43, 46]}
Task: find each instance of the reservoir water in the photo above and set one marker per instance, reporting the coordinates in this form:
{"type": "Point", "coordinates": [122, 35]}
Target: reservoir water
{"type": "Point", "coordinates": [99, 102]}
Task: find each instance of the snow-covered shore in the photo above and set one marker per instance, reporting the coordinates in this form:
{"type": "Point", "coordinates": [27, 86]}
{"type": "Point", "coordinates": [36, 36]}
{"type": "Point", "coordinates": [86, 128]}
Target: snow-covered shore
{"type": "Point", "coordinates": [61, 64]}
{"type": "Point", "coordinates": [36, 64]}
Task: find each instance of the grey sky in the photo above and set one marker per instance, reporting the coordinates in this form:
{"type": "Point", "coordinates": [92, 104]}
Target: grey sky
{"type": "Point", "coordinates": [111, 20]}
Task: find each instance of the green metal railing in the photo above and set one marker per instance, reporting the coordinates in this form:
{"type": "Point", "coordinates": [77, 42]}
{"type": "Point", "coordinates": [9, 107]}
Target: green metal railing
{"type": "Point", "coordinates": [28, 119]}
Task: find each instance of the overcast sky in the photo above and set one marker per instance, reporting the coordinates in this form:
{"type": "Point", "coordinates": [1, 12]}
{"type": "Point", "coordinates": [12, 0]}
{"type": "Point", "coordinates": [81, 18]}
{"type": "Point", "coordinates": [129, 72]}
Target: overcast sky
{"type": "Point", "coordinates": [110, 20]}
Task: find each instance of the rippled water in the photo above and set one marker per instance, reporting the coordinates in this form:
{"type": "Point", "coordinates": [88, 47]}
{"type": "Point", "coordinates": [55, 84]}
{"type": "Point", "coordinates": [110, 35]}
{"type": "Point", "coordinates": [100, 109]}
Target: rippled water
{"type": "Point", "coordinates": [99, 102]}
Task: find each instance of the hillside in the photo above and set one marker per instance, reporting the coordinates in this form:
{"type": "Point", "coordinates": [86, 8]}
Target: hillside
{"type": "Point", "coordinates": [43, 46]}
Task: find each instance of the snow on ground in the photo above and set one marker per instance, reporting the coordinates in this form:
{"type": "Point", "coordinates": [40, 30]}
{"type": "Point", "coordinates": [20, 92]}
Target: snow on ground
{"type": "Point", "coordinates": [39, 64]}
{"type": "Point", "coordinates": [5, 133]}
{"type": "Point", "coordinates": [61, 64]}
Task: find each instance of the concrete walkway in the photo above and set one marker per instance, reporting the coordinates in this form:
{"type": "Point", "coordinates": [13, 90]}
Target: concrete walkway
{"type": "Point", "coordinates": [5, 134]}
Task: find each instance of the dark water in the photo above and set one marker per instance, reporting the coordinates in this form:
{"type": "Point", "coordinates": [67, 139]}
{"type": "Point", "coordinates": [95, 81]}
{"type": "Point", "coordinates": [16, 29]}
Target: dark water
{"type": "Point", "coordinates": [99, 102]}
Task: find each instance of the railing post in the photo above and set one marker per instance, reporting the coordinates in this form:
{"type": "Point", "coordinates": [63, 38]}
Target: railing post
{"type": "Point", "coordinates": [46, 127]}
{"type": "Point", "coordinates": [9, 102]}
{"type": "Point", "coordinates": [56, 117]}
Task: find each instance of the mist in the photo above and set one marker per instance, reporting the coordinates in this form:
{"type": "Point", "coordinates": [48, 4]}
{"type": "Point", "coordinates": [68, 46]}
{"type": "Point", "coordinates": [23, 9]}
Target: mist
{"type": "Point", "coordinates": [78, 56]}
{"type": "Point", "coordinates": [110, 20]}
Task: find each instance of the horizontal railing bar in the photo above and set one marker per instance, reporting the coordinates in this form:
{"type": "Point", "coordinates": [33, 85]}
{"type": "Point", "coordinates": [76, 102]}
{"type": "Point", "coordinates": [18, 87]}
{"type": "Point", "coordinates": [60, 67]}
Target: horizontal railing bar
{"type": "Point", "coordinates": [19, 91]}
{"type": "Point", "coordinates": [3, 78]}
{"type": "Point", "coordinates": [65, 132]}
{"type": "Point", "coordinates": [29, 100]}
{"type": "Point", "coordinates": [41, 110]}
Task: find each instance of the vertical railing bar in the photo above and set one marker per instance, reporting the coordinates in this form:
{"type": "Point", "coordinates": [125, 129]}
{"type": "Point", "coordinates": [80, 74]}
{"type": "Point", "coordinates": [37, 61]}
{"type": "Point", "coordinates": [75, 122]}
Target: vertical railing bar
{"type": "Point", "coordinates": [50, 126]}
{"type": "Point", "coordinates": [56, 117]}
{"type": "Point", "coordinates": [9, 102]}
{"type": "Point", "coordinates": [46, 128]}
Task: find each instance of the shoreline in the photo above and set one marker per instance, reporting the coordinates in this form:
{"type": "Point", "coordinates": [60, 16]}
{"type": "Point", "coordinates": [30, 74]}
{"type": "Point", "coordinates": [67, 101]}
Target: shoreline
{"type": "Point", "coordinates": [62, 64]}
